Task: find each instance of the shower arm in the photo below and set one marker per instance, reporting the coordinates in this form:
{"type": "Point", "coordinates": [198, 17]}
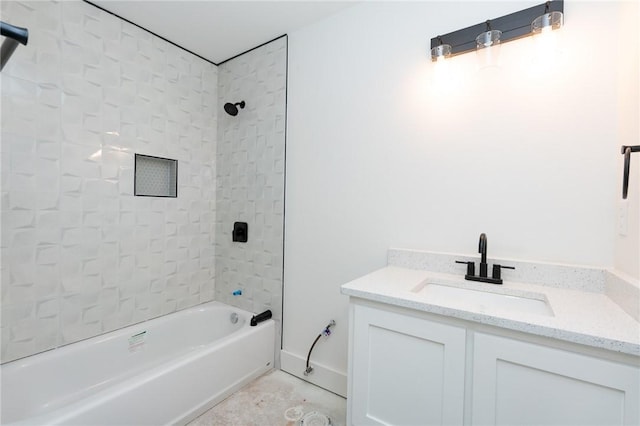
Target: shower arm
{"type": "Point", "coordinates": [14, 36]}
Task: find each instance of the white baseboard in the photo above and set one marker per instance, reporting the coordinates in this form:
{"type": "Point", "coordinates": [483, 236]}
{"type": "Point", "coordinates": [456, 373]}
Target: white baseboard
{"type": "Point", "coordinates": [323, 376]}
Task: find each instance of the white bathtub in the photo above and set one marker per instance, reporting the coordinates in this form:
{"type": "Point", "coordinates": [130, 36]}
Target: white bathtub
{"type": "Point", "coordinates": [164, 371]}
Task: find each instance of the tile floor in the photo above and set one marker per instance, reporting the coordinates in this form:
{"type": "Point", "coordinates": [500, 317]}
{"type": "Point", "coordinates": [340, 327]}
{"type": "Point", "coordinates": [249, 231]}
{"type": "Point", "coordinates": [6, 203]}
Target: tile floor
{"type": "Point", "coordinates": [265, 401]}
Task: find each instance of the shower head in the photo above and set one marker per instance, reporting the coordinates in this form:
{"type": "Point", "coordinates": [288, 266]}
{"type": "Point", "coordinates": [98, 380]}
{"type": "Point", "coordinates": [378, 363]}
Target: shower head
{"type": "Point", "coordinates": [231, 109]}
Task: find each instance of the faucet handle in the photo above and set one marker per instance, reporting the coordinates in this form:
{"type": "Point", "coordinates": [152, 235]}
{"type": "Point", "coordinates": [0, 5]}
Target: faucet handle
{"type": "Point", "coordinates": [496, 271]}
{"type": "Point", "coordinates": [471, 267]}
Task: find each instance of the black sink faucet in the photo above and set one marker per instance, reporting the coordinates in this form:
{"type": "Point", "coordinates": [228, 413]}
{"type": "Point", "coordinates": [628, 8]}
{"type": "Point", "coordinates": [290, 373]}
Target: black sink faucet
{"type": "Point", "coordinates": [483, 276]}
{"type": "Point", "coordinates": [482, 249]}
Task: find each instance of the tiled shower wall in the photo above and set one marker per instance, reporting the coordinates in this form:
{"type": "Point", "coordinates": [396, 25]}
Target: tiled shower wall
{"type": "Point", "coordinates": [250, 180]}
{"type": "Point", "coordinates": [80, 254]}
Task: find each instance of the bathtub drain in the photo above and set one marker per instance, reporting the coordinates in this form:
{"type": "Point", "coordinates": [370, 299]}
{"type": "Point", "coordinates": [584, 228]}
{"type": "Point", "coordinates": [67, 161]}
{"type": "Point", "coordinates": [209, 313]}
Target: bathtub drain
{"type": "Point", "coordinates": [315, 419]}
{"type": "Point", "coordinates": [294, 414]}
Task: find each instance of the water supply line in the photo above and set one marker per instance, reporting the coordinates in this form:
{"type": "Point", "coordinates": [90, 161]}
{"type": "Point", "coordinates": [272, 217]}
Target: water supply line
{"type": "Point", "coordinates": [326, 333]}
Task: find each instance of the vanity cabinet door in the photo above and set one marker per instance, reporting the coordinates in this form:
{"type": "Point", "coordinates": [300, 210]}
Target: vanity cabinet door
{"type": "Point", "coordinates": [405, 370]}
{"type": "Point", "coordinates": [518, 383]}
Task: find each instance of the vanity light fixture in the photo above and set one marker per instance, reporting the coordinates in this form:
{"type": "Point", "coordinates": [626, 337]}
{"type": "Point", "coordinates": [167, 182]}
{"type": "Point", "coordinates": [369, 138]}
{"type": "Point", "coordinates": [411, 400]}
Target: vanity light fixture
{"type": "Point", "coordinates": [516, 25]}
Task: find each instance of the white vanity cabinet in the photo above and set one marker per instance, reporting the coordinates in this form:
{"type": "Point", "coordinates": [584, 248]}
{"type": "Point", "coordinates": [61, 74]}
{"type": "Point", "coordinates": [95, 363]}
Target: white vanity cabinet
{"type": "Point", "coordinates": [404, 370]}
{"type": "Point", "coordinates": [407, 367]}
{"type": "Point", "coordinates": [521, 383]}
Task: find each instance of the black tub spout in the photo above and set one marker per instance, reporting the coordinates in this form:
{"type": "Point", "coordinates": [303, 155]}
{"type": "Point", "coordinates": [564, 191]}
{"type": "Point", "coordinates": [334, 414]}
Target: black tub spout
{"type": "Point", "coordinates": [260, 317]}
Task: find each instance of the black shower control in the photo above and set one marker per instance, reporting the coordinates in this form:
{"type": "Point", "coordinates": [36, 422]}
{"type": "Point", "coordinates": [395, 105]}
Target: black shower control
{"type": "Point", "coordinates": [240, 232]}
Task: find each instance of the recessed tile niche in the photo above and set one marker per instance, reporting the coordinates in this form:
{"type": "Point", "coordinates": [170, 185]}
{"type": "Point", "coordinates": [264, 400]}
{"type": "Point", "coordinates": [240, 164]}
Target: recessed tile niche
{"type": "Point", "coordinates": [155, 177]}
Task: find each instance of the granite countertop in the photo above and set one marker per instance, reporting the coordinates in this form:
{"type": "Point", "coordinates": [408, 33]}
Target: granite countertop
{"type": "Point", "coordinates": [584, 317]}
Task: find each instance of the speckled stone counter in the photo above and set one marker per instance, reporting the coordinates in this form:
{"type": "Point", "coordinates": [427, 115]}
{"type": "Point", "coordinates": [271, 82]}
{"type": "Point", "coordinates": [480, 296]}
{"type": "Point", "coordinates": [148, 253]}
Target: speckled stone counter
{"type": "Point", "coordinates": [582, 312]}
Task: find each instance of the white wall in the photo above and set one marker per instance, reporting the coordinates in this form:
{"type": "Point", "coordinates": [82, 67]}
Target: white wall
{"type": "Point", "coordinates": [381, 152]}
{"type": "Point", "coordinates": [627, 246]}
{"type": "Point", "coordinates": [80, 254]}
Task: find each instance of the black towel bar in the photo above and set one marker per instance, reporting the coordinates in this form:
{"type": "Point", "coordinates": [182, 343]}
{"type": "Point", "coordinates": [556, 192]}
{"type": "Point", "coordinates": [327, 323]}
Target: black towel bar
{"type": "Point", "coordinates": [626, 151]}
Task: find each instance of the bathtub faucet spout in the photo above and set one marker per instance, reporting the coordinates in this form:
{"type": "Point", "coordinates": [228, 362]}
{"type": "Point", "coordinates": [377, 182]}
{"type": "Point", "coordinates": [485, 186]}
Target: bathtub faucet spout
{"type": "Point", "coordinates": [260, 317]}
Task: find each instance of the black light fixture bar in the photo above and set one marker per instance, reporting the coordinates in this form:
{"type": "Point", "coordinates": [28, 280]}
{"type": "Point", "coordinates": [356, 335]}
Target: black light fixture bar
{"type": "Point", "coordinates": [513, 26]}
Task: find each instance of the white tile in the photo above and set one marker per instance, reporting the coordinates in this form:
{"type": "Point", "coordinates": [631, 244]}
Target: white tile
{"type": "Point", "coordinates": [48, 308]}
{"type": "Point", "coordinates": [47, 281]}
{"type": "Point", "coordinates": [47, 255]}
{"type": "Point", "coordinates": [61, 97]}
{"type": "Point", "coordinates": [16, 219]}
{"type": "Point", "coordinates": [47, 200]}
{"type": "Point", "coordinates": [16, 312]}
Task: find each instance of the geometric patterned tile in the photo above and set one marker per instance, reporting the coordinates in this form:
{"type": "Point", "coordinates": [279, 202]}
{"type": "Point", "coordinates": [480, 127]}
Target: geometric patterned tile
{"type": "Point", "coordinates": [81, 253]}
{"type": "Point", "coordinates": [250, 179]}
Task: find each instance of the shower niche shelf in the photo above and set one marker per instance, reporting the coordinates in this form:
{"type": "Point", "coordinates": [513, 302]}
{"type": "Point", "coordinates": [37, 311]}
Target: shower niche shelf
{"type": "Point", "coordinates": [155, 177]}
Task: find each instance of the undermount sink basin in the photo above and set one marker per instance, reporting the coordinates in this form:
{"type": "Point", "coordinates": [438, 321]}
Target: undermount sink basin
{"type": "Point", "coordinates": [482, 300]}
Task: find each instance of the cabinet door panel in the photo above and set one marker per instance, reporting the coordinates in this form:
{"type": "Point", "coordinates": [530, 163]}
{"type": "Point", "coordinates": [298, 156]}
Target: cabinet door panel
{"type": "Point", "coordinates": [406, 370]}
{"type": "Point", "coordinates": [518, 383]}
